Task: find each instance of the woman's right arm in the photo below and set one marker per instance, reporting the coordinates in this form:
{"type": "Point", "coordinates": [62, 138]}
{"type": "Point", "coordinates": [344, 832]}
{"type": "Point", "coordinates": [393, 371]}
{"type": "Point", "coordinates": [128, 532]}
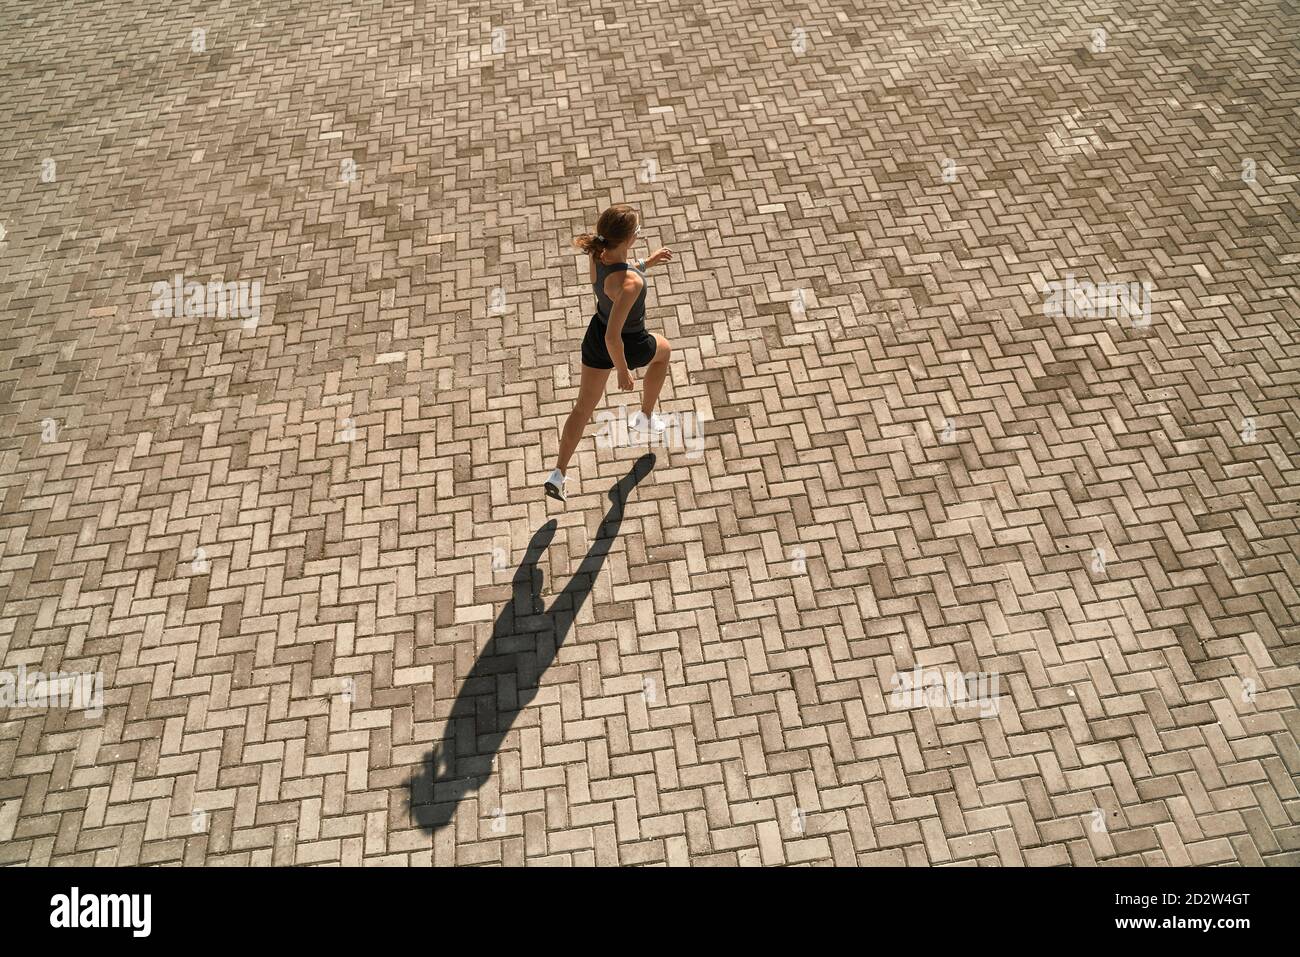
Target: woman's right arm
{"type": "Point", "coordinates": [627, 296]}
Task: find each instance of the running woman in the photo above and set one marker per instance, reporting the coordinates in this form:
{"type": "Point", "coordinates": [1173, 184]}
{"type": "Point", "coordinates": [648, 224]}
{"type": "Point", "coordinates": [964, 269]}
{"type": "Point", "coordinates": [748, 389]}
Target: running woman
{"type": "Point", "coordinates": [616, 337]}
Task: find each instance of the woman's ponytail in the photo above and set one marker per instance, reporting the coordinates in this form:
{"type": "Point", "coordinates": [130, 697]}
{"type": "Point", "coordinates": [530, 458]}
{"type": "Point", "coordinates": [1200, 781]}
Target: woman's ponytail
{"type": "Point", "coordinates": [591, 244]}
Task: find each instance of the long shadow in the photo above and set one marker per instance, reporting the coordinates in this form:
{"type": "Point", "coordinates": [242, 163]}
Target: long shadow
{"type": "Point", "coordinates": [505, 678]}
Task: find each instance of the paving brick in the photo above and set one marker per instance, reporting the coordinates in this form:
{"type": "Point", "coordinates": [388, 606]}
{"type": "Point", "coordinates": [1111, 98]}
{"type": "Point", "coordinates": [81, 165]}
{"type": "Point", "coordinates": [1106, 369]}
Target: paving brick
{"type": "Point", "coordinates": [290, 545]}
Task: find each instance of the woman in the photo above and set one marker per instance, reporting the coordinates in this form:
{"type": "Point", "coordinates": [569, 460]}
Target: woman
{"type": "Point", "coordinates": [616, 337]}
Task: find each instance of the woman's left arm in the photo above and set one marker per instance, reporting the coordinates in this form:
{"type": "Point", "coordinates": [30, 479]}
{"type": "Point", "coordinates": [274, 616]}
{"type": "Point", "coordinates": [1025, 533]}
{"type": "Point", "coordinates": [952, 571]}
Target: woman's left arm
{"type": "Point", "coordinates": [661, 255]}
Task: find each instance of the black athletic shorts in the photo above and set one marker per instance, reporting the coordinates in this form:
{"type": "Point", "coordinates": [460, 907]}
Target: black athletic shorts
{"type": "Point", "coordinates": [638, 347]}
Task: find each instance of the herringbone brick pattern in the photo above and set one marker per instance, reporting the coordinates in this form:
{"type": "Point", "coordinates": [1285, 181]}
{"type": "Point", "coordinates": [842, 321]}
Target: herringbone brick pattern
{"type": "Point", "coordinates": [286, 544]}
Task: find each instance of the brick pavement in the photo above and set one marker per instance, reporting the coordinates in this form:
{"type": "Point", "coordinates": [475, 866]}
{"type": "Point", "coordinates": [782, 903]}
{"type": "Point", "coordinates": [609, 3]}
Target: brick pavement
{"type": "Point", "coordinates": [295, 536]}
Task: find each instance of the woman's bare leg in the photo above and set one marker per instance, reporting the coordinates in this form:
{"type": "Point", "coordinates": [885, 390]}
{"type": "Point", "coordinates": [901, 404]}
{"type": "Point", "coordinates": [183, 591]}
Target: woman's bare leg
{"type": "Point", "coordinates": [589, 393]}
{"type": "Point", "coordinates": [655, 374]}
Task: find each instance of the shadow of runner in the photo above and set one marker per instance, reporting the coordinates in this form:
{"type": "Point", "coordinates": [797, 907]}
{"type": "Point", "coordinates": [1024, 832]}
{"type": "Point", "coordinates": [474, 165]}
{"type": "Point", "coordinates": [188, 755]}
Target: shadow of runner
{"type": "Point", "coordinates": [506, 676]}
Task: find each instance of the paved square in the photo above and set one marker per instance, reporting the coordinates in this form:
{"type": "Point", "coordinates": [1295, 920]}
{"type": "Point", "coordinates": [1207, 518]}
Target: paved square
{"type": "Point", "coordinates": [976, 543]}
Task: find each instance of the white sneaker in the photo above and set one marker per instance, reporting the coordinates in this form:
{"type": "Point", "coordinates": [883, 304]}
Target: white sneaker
{"type": "Point", "coordinates": [647, 426]}
{"type": "Point", "coordinates": [555, 485]}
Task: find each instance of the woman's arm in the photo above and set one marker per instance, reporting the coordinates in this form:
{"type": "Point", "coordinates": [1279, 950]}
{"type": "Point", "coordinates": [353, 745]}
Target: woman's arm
{"type": "Point", "coordinates": [628, 293]}
{"type": "Point", "coordinates": [660, 255]}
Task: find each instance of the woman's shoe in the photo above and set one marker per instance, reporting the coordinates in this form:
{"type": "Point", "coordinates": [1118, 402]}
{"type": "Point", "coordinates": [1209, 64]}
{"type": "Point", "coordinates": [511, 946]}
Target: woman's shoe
{"type": "Point", "coordinates": [647, 425]}
{"type": "Point", "coordinates": [555, 485]}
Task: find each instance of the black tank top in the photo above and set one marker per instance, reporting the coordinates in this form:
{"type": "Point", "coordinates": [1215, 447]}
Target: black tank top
{"type": "Point", "coordinates": [635, 322]}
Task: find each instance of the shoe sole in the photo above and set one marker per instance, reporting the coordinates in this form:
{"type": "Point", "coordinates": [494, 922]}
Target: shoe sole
{"type": "Point", "coordinates": [553, 491]}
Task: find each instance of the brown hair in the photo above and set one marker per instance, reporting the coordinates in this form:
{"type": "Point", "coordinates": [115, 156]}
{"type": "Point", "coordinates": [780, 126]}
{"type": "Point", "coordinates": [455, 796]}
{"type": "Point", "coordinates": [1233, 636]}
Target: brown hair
{"type": "Point", "coordinates": [615, 226]}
